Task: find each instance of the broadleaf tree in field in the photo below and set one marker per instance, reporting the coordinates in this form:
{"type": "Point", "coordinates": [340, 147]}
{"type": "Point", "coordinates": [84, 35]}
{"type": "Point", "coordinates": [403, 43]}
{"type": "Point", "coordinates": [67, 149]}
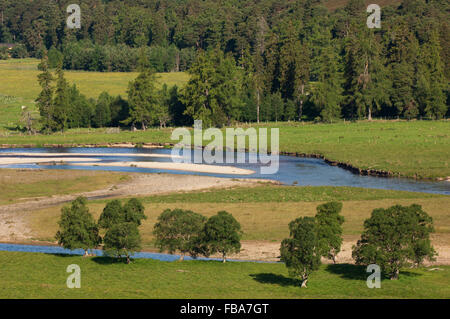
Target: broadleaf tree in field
{"type": "Point", "coordinates": [134, 211]}
{"type": "Point", "coordinates": [78, 229]}
{"type": "Point", "coordinates": [122, 223]}
{"type": "Point", "coordinates": [122, 239]}
{"type": "Point", "coordinates": [114, 213]}
{"type": "Point", "coordinates": [329, 229]}
{"type": "Point", "coordinates": [394, 238]}
{"type": "Point", "coordinates": [222, 234]}
{"type": "Point", "coordinates": [179, 230]}
{"type": "Point", "coordinates": [301, 252]}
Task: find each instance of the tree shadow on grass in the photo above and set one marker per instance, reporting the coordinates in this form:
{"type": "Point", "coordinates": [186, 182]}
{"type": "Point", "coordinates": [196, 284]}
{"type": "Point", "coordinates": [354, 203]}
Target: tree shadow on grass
{"type": "Point", "coordinates": [268, 278]}
{"type": "Point", "coordinates": [104, 260]}
{"type": "Point", "coordinates": [62, 255]}
{"type": "Point", "coordinates": [357, 272]}
{"type": "Point", "coordinates": [348, 271]}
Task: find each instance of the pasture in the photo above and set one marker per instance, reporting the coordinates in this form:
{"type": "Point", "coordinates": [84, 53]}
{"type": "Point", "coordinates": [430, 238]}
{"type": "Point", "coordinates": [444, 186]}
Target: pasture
{"type": "Point", "coordinates": [31, 275]}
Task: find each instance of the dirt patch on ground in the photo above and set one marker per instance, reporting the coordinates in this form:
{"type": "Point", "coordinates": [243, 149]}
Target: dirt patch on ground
{"type": "Point", "coordinates": [13, 227]}
{"type": "Point", "coordinates": [270, 251]}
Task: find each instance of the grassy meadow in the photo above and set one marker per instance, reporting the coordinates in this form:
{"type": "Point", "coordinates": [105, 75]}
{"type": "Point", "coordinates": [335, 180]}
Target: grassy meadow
{"type": "Point", "coordinates": [30, 275]}
{"type": "Point", "coordinates": [264, 213]}
{"type": "Point", "coordinates": [23, 184]}
{"type": "Point", "coordinates": [262, 217]}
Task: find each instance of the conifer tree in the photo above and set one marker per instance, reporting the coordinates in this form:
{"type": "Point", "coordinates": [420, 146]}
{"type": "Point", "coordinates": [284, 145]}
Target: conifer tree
{"type": "Point", "coordinates": [45, 98]}
{"type": "Point", "coordinates": [143, 99]}
{"type": "Point", "coordinates": [61, 101]}
{"type": "Point", "coordinates": [327, 94]}
{"type": "Point", "coordinates": [430, 92]}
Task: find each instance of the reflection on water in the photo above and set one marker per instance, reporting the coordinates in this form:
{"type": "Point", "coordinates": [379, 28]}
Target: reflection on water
{"type": "Point", "coordinates": [293, 170]}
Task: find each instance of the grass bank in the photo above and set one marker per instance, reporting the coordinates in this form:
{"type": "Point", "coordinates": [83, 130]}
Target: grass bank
{"type": "Point", "coordinates": [32, 275]}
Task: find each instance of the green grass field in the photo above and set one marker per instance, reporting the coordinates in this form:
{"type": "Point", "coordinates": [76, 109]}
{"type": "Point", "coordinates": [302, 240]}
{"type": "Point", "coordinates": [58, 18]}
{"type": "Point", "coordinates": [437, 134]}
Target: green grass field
{"type": "Point", "coordinates": [262, 216]}
{"type": "Point", "coordinates": [32, 275]}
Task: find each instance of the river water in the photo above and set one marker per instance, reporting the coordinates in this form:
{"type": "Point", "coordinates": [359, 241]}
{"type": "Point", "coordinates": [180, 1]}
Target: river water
{"type": "Point", "coordinates": [292, 170]}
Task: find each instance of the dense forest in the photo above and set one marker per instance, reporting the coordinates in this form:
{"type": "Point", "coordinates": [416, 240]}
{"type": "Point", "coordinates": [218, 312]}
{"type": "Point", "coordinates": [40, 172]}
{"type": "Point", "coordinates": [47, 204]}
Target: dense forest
{"type": "Point", "coordinates": [256, 60]}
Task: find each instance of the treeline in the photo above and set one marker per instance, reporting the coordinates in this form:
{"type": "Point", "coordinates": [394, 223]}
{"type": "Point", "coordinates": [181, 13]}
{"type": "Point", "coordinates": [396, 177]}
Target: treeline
{"type": "Point", "coordinates": [120, 224]}
{"type": "Point", "coordinates": [232, 25]}
{"type": "Point", "coordinates": [17, 52]}
{"type": "Point", "coordinates": [85, 55]}
{"type": "Point", "coordinates": [62, 106]}
{"type": "Point", "coordinates": [273, 60]}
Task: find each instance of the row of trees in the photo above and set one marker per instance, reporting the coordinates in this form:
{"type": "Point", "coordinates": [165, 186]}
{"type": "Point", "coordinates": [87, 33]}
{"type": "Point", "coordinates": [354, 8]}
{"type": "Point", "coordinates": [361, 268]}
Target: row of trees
{"type": "Point", "coordinates": [79, 230]}
{"type": "Point", "coordinates": [188, 232]}
{"type": "Point", "coordinates": [176, 230]}
{"type": "Point", "coordinates": [393, 238]}
{"type": "Point", "coordinates": [17, 52]}
{"type": "Point", "coordinates": [62, 106]}
{"type": "Point", "coordinates": [220, 92]}
{"type": "Point", "coordinates": [84, 55]}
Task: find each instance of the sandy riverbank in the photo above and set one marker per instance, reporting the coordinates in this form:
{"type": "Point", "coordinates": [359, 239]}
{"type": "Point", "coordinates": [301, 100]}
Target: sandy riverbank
{"type": "Point", "coordinates": [82, 159]}
{"type": "Point", "coordinates": [197, 168]}
{"type": "Point", "coordinates": [40, 160]}
{"type": "Point", "coordinates": [89, 155]}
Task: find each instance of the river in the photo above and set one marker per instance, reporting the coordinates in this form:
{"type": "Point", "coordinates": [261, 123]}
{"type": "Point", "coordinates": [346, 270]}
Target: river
{"type": "Point", "coordinates": [292, 170]}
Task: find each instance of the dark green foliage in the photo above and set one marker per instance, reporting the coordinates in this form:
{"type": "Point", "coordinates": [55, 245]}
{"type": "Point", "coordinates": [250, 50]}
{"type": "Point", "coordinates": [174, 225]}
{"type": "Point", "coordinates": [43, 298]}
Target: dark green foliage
{"type": "Point", "coordinates": [122, 239]}
{"type": "Point", "coordinates": [19, 52]}
{"type": "Point", "coordinates": [78, 229]}
{"type": "Point", "coordinates": [298, 50]}
{"type": "Point", "coordinates": [61, 102]}
{"type": "Point", "coordinates": [134, 211]}
{"type": "Point", "coordinates": [394, 238]}
{"type": "Point", "coordinates": [115, 213]}
{"type": "Point", "coordinates": [222, 234]}
{"type": "Point", "coordinates": [122, 236]}
{"type": "Point", "coordinates": [44, 101]}
{"type": "Point", "coordinates": [55, 57]}
{"type": "Point", "coordinates": [329, 229]}
{"type": "Point", "coordinates": [301, 252]}
{"type": "Point", "coordinates": [102, 116]}
{"type": "Point", "coordinates": [179, 230]}
{"type": "Point", "coordinates": [214, 89]}
{"type": "Point", "coordinates": [112, 214]}
{"type": "Point", "coordinates": [143, 99]}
